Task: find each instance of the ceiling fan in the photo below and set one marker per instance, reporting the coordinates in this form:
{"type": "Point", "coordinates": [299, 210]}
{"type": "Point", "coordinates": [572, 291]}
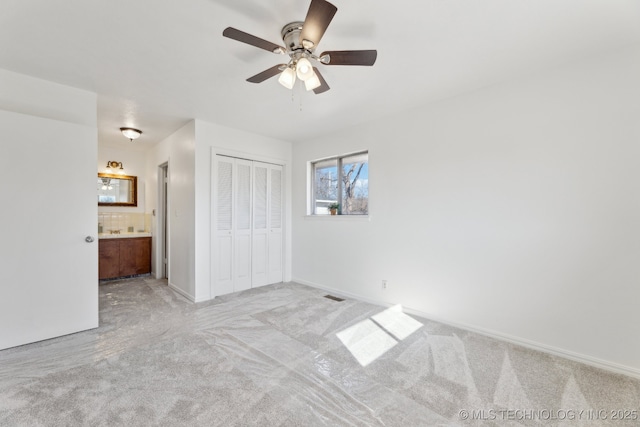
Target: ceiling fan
{"type": "Point", "coordinates": [300, 40]}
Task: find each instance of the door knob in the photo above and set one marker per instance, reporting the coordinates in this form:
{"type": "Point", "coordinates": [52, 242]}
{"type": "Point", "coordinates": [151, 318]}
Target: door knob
{"type": "Point", "coordinates": [88, 239]}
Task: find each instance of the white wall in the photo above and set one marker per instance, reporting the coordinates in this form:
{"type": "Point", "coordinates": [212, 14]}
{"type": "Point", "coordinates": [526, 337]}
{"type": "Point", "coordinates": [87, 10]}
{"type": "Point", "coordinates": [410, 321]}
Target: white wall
{"type": "Point", "coordinates": [49, 273]}
{"type": "Point", "coordinates": [188, 152]}
{"type": "Point", "coordinates": [40, 98]}
{"type": "Point", "coordinates": [212, 139]}
{"type": "Point", "coordinates": [179, 151]}
{"type": "Point", "coordinates": [514, 210]}
{"type": "Point", "coordinates": [134, 163]}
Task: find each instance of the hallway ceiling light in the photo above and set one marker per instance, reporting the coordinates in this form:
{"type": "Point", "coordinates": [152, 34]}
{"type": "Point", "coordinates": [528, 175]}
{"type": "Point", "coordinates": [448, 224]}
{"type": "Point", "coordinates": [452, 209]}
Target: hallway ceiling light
{"type": "Point", "coordinates": [131, 133]}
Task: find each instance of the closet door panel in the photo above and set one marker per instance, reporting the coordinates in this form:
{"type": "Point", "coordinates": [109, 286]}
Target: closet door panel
{"type": "Point", "coordinates": [242, 229]}
{"type": "Point", "coordinates": [275, 225]}
{"type": "Point", "coordinates": [259, 261]}
{"type": "Point", "coordinates": [224, 277]}
{"type": "Point", "coordinates": [223, 214]}
{"type": "Point", "coordinates": [248, 224]}
{"type": "Point", "coordinates": [260, 230]}
{"type": "Point", "coordinates": [242, 263]}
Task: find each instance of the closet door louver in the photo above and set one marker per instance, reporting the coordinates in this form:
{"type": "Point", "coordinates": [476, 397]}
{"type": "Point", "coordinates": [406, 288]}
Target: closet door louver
{"type": "Point", "coordinates": [242, 229]}
{"type": "Point", "coordinates": [260, 225]}
{"type": "Point", "coordinates": [275, 234]}
{"type": "Point", "coordinates": [223, 212]}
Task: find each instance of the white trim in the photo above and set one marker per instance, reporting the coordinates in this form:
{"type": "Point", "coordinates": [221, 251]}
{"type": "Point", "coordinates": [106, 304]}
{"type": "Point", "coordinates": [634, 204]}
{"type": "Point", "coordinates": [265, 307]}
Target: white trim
{"type": "Point", "coordinates": [244, 155]}
{"type": "Point", "coordinates": [183, 293]}
{"type": "Point", "coordinates": [158, 216]}
{"type": "Point", "coordinates": [544, 348]}
{"type": "Point", "coordinates": [212, 220]}
{"type": "Point", "coordinates": [362, 218]}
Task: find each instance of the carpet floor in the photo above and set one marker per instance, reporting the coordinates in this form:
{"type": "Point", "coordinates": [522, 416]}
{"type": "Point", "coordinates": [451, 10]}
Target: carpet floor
{"type": "Point", "coordinates": [284, 355]}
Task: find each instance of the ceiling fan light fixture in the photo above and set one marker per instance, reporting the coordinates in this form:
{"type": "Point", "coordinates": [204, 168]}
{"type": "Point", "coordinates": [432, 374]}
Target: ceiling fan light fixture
{"type": "Point", "coordinates": [304, 70]}
{"type": "Point", "coordinates": [131, 133]}
{"type": "Point", "coordinates": [312, 82]}
{"type": "Point", "coordinates": [301, 38]}
{"type": "Point", "coordinates": [287, 78]}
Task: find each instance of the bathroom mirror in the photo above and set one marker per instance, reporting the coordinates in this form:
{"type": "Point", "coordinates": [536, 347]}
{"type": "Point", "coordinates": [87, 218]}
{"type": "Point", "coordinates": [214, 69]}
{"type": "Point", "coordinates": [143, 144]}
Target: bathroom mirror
{"type": "Point", "coordinates": [117, 190]}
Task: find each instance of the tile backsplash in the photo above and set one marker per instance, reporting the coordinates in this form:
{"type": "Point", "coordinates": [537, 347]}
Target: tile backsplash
{"type": "Point", "coordinates": [124, 222]}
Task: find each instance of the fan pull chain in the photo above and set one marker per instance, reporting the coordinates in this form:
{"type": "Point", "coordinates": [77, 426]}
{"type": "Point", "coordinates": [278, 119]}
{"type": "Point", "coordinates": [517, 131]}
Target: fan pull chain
{"type": "Point", "coordinates": [300, 93]}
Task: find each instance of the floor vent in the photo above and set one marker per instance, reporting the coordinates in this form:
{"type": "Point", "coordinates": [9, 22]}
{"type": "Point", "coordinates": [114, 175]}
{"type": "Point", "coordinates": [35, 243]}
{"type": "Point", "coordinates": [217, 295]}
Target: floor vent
{"type": "Point", "coordinates": [334, 298]}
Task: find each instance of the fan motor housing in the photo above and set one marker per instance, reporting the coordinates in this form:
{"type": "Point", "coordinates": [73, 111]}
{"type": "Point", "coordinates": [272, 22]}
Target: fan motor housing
{"type": "Point", "coordinates": [291, 36]}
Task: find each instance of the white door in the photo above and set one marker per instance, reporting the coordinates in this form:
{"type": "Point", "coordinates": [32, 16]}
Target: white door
{"type": "Point", "coordinates": [223, 214]}
{"type": "Point", "coordinates": [267, 224]}
{"type": "Point", "coordinates": [275, 224]}
{"type": "Point", "coordinates": [49, 272]}
{"type": "Point", "coordinates": [242, 225]}
{"type": "Point", "coordinates": [259, 255]}
{"type": "Point", "coordinates": [248, 222]}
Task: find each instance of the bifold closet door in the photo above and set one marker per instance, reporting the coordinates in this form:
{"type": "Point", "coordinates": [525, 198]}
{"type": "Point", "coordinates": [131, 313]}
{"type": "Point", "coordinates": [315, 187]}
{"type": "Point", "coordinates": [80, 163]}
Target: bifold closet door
{"type": "Point", "coordinates": [267, 224]}
{"type": "Point", "coordinates": [232, 266]}
{"type": "Point", "coordinates": [248, 203]}
{"type": "Point", "coordinates": [223, 214]}
{"type": "Point", "coordinates": [275, 225]}
{"type": "Point", "coordinates": [242, 226]}
{"type": "Point", "coordinates": [259, 258]}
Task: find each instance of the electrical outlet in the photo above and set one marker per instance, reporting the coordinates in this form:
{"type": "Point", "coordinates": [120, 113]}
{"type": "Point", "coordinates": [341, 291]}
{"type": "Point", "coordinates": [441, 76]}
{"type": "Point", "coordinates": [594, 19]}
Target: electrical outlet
{"type": "Point", "coordinates": [384, 285]}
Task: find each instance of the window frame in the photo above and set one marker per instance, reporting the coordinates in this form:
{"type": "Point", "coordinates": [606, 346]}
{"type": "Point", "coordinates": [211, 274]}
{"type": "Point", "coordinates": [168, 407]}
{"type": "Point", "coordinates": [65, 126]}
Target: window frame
{"type": "Point", "coordinates": [311, 175]}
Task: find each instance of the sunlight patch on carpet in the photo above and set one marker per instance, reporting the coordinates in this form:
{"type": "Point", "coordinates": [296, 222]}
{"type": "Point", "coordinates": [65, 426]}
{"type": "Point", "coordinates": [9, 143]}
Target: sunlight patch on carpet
{"type": "Point", "coordinates": [371, 338]}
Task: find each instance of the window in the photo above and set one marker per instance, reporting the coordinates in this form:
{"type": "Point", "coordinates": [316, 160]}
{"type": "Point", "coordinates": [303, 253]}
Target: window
{"type": "Point", "coordinates": [343, 181]}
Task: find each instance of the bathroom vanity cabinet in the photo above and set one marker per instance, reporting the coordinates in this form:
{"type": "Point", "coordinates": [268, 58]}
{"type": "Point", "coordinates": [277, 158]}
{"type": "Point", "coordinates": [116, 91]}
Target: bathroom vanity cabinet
{"type": "Point", "coordinates": [120, 257]}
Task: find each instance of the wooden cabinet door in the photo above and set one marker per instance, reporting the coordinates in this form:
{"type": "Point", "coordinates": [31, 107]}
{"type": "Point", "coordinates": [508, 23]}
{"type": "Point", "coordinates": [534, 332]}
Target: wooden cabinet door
{"type": "Point", "coordinates": [135, 256]}
{"type": "Point", "coordinates": [124, 257]}
{"type": "Point", "coordinates": [143, 255]}
{"type": "Point", "coordinates": [109, 259]}
{"type": "Point", "coordinates": [127, 257]}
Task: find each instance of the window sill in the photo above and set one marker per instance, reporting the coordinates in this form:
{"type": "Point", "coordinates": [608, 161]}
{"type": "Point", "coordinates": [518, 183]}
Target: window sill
{"type": "Point", "coordinates": [360, 218]}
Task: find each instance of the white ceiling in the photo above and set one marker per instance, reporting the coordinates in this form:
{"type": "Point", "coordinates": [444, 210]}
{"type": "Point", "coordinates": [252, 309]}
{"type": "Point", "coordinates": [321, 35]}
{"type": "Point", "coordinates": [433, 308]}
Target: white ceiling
{"type": "Point", "coordinates": [157, 64]}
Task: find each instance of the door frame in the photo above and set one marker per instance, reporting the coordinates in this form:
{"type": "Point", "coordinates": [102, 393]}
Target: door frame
{"type": "Point", "coordinates": [163, 226]}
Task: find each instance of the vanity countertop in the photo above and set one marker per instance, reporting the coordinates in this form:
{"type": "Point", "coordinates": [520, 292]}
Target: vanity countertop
{"type": "Point", "coordinates": [122, 235]}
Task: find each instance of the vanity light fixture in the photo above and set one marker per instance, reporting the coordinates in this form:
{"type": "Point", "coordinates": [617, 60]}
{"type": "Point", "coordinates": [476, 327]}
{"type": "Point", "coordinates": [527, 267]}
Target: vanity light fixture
{"type": "Point", "coordinates": [131, 133]}
{"type": "Point", "coordinates": [112, 166]}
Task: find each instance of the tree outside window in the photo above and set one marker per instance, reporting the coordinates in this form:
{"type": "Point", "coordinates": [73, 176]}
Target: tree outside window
{"type": "Point", "coordinates": [342, 180]}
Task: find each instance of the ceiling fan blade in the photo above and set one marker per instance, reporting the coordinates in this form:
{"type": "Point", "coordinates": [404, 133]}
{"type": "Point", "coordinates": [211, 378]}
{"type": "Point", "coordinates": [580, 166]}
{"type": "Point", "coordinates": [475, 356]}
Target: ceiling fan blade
{"type": "Point", "coordinates": [318, 18]}
{"type": "Point", "coordinates": [323, 83]}
{"type": "Point", "coordinates": [247, 38]}
{"type": "Point", "coordinates": [267, 74]}
{"type": "Point", "coordinates": [350, 57]}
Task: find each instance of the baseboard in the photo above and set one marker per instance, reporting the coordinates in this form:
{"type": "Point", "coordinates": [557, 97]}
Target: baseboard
{"type": "Point", "coordinates": [181, 292]}
{"type": "Point", "coordinates": [556, 351]}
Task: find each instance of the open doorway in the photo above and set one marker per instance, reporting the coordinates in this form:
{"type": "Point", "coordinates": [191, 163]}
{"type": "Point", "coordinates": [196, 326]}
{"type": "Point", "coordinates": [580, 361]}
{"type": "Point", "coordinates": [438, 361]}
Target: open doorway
{"type": "Point", "coordinates": [163, 221]}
